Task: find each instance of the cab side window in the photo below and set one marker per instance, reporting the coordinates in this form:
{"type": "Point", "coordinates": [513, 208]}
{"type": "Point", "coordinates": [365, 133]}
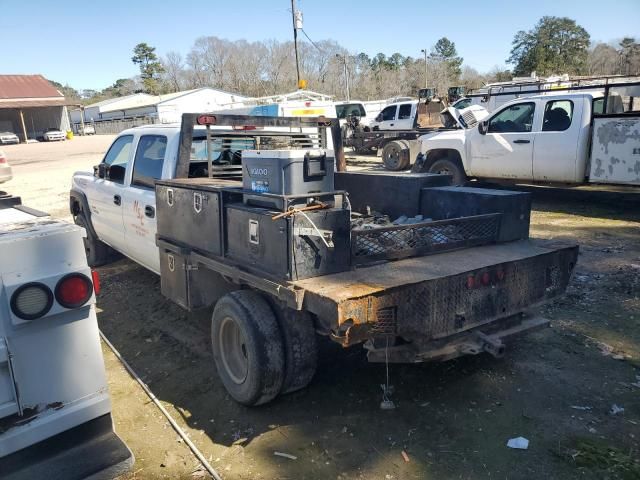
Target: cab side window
{"type": "Point", "coordinates": [389, 113]}
{"type": "Point", "coordinates": [117, 158]}
{"type": "Point", "coordinates": [557, 116]}
{"type": "Point", "coordinates": [516, 118]}
{"type": "Point", "coordinates": [405, 111]}
{"type": "Point", "coordinates": [147, 166]}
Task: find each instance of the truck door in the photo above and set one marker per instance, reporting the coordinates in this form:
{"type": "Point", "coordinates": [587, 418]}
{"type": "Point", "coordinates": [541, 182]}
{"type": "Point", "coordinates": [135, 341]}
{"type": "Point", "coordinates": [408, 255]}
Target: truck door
{"type": "Point", "coordinates": [506, 150]}
{"type": "Point", "coordinates": [388, 118]}
{"type": "Point", "coordinates": [406, 115]}
{"type": "Point", "coordinates": [555, 152]}
{"type": "Point", "coordinates": [139, 201]}
{"type": "Point", "coordinates": [105, 194]}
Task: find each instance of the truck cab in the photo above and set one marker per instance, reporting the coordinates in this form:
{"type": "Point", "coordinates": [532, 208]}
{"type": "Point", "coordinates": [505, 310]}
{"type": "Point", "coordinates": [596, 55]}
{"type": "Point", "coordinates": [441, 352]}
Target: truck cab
{"type": "Point", "coordinates": [116, 202]}
{"type": "Point", "coordinates": [397, 116]}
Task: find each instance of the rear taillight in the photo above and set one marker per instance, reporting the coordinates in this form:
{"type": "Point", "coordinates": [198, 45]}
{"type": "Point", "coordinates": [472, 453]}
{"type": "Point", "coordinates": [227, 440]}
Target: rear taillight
{"type": "Point", "coordinates": [3, 159]}
{"type": "Point", "coordinates": [73, 290]}
{"type": "Point", "coordinates": [31, 300]}
{"type": "Point", "coordinates": [485, 278]}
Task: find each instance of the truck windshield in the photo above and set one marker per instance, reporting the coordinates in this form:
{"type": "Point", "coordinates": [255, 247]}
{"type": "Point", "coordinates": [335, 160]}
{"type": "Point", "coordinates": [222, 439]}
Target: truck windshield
{"type": "Point", "coordinates": [347, 109]}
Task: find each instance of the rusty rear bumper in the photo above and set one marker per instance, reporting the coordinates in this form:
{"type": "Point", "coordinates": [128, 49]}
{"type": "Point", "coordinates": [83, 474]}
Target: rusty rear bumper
{"type": "Point", "coordinates": [430, 298]}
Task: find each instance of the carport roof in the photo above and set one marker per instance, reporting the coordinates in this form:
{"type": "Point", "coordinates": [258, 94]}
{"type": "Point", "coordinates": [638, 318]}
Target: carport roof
{"type": "Point", "coordinates": [23, 91]}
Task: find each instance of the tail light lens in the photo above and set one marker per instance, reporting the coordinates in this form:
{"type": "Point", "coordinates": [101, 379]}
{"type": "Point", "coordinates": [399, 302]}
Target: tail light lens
{"type": "Point", "coordinates": [3, 159]}
{"type": "Point", "coordinates": [73, 290]}
{"type": "Point", "coordinates": [31, 300]}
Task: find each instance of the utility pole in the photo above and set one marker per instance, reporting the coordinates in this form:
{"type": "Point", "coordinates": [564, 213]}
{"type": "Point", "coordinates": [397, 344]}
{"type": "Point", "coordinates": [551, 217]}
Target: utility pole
{"type": "Point", "coordinates": [346, 74]}
{"type": "Point", "coordinates": [426, 84]}
{"type": "Point", "coordinates": [296, 20]}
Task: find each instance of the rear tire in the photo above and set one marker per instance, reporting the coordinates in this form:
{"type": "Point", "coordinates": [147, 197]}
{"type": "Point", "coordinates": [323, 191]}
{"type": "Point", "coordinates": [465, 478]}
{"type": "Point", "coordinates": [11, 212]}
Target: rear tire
{"type": "Point", "coordinates": [247, 347]}
{"type": "Point", "coordinates": [449, 167]}
{"type": "Point", "coordinates": [97, 252]}
{"type": "Point", "coordinates": [300, 348]}
{"type": "Point", "coordinates": [395, 155]}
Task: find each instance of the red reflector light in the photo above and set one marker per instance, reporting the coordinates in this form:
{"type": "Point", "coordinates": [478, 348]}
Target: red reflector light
{"type": "Point", "coordinates": [206, 120]}
{"type": "Point", "coordinates": [73, 290]}
{"type": "Point", "coordinates": [3, 159]}
{"type": "Point", "coordinates": [96, 281]}
{"type": "Point", "coordinates": [486, 278]}
{"type": "Point", "coordinates": [471, 281]}
{"type": "Point", "coordinates": [245, 127]}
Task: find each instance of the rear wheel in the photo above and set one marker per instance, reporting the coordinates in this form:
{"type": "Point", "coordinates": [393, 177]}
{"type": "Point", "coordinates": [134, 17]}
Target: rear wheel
{"type": "Point", "coordinates": [300, 348]}
{"type": "Point", "coordinates": [97, 252]}
{"type": "Point", "coordinates": [395, 155]}
{"type": "Point", "coordinates": [247, 347]}
{"type": "Point", "coordinates": [447, 166]}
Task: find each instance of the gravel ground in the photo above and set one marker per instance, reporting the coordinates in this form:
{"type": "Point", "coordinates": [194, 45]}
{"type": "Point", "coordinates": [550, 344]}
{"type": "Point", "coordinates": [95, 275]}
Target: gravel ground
{"type": "Point", "coordinates": [555, 387]}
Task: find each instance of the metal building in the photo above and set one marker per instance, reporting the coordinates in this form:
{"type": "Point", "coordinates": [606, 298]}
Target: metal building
{"type": "Point", "coordinates": [142, 108]}
{"type": "Point", "coordinates": [29, 105]}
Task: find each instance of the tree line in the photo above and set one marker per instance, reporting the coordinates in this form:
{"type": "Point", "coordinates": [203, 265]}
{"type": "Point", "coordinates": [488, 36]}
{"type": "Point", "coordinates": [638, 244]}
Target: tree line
{"type": "Point", "coordinates": [553, 46]}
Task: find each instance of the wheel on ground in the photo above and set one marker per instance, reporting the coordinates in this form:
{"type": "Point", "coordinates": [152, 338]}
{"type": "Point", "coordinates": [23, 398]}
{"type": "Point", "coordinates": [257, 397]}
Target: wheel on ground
{"type": "Point", "coordinates": [247, 347]}
{"type": "Point", "coordinates": [300, 348]}
{"type": "Point", "coordinates": [449, 167]}
{"type": "Point", "coordinates": [395, 155]}
{"type": "Point", "coordinates": [97, 252]}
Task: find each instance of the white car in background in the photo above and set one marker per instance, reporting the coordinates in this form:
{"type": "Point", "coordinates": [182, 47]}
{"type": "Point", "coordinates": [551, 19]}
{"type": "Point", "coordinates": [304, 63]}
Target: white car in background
{"type": "Point", "coordinates": [53, 135]}
{"type": "Point", "coordinates": [8, 137]}
{"type": "Point", "coordinates": [5, 169]}
{"type": "Point", "coordinates": [88, 129]}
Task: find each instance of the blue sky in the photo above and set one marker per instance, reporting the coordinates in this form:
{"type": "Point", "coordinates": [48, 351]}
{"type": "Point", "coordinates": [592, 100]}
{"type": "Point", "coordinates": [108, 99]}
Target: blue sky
{"type": "Point", "coordinates": [88, 44]}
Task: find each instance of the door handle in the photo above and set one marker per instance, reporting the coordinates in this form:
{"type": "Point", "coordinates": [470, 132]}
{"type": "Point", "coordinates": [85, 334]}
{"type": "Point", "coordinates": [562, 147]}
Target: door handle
{"type": "Point", "coordinates": [149, 211]}
{"type": "Point", "coordinates": [391, 124]}
{"type": "Point", "coordinates": [522, 141]}
{"type": "Point", "coordinates": [117, 200]}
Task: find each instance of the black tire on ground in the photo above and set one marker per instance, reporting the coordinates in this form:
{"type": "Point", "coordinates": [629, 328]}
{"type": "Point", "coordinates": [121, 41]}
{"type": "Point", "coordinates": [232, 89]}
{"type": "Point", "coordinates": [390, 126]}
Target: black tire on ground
{"type": "Point", "coordinates": [449, 167]}
{"type": "Point", "coordinates": [300, 348]}
{"type": "Point", "coordinates": [97, 252]}
{"type": "Point", "coordinates": [247, 347]}
{"type": "Point", "coordinates": [395, 155]}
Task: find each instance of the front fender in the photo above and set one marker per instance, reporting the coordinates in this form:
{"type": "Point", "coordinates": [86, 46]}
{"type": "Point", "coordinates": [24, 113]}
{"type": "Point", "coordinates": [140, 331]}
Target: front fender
{"type": "Point", "coordinates": [449, 140]}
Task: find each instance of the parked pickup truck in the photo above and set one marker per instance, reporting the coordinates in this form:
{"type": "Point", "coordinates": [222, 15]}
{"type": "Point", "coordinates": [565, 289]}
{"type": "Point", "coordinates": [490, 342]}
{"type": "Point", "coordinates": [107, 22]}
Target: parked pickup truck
{"type": "Point", "coordinates": [551, 138]}
{"type": "Point", "coordinates": [55, 412]}
{"type": "Point", "coordinates": [249, 217]}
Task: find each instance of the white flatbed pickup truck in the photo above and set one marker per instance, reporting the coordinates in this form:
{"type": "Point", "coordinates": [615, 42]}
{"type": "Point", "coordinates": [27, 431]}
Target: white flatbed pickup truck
{"type": "Point", "coordinates": [55, 412]}
{"type": "Point", "coordinates": [282, 256]}
{"type": "Point", "coordinates": [553, 138]}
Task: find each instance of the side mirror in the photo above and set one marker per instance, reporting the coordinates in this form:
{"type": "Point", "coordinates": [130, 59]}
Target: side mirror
{"type": "Point", "coordinates": [100, 170]}
{"type": "Point", "coordinates": [379, 117]}
{"type": "Point", "coordinates": [483, 127]}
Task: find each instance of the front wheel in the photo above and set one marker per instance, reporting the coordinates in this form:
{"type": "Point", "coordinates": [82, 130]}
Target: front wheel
{"type": "Point", "coordinates": [247, 347]}
{"type": "Point", "coordinates": [97, 252]}
{"type": "Point", "coordinates": [449, 167]}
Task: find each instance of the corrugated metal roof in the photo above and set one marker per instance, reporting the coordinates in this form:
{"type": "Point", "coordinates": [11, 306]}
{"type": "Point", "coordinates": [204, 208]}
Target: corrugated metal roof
{"type": "Point", "coordinates": [26, 86]}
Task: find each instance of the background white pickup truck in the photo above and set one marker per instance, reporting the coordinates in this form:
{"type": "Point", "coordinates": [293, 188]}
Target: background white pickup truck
{"type": "Point", "coordinates": [562, 138]}
{"type": "Point", "coordinates": [116, 202]}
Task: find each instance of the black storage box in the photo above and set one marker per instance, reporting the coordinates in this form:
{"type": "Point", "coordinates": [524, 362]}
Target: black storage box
{"type": "Point", "coordinates": [452, 202]}
{"type": "Point", "coordinates": [190, 211]}
{"type": "Point", "coordinates": [288, 248]}
{"type": "Point", "coordinates": [191, 288]}
{"type": "Point", "coordinates": [393, 194]}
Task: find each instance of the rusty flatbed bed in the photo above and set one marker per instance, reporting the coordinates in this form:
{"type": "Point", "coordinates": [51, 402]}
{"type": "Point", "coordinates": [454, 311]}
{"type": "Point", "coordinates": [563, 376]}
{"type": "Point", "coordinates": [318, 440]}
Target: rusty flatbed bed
{"type": "Point", "coordinates": [429, 294]}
